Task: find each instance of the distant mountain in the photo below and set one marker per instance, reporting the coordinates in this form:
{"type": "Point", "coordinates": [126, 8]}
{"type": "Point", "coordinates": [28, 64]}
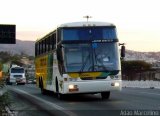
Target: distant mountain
{"type": "Point", "coordinates": [26, 47]}
{"type": "Point", "coordinates": [145, 56]}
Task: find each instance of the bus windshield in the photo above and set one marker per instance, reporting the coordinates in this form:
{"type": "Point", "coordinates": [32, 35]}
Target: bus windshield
{"type": "Point", "coordinates": [91, 57]}
{"type": "Point", "coordinates": [17, 70]}
{"type": "Point", "coordinates": [89, 33]}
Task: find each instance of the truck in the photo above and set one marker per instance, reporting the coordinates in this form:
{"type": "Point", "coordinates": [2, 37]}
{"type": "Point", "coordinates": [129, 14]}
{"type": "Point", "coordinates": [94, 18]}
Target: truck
{"type": "Point", "coordinates": [17, 75]}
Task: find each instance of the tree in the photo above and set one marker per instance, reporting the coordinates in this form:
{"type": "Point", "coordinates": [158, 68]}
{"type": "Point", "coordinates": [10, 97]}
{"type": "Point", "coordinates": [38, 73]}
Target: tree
{"type": "Point", "coordinates": [5, 56]}
{"type": "Point", "coordinates": [1, 66]}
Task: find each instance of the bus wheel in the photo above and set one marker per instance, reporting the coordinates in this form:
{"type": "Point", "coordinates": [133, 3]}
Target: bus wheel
{"type": "Point", "coordinates": [105, 95]}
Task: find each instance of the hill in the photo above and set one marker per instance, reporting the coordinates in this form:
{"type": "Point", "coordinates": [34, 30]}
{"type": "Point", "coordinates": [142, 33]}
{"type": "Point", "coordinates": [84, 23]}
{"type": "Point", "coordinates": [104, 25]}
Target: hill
{"type": "Point", "coordinates": [25, 47]}
{"type": "Point", "coordinates": [145, 56]}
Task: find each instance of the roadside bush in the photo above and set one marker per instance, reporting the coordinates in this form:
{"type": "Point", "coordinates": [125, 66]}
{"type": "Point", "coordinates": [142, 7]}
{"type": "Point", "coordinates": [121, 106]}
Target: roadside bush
{"type": "Point", "coordinates": [4, 98]}
{"type": "Point", "coordinates": [4, 101]}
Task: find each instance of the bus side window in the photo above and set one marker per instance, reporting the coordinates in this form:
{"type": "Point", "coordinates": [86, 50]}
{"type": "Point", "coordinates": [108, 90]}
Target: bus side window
{"type": "Point", "coordinates": [36, 49]}
{"type": "Point", "coordinates": [51, 42]}
{"type": "Point", "coordinates": [40, 47]}
{"type": "Point", "coordinates": [48, 44]}
{"type": "Point", "coordinates": [59, 53]}
{"type": "Point", "coordinates": [54, 41]}
{"type": "Point", "coordinates": [45, 46]}
{"type": "Point", "coordinates": [43, 42]}
{"type": "Point", "coordinates": [58, 37]}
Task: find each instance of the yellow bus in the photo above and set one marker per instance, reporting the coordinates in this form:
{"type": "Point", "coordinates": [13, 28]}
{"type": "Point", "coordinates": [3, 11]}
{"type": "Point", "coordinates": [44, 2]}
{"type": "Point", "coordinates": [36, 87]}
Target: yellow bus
{"type": "Point", "coordinates": [79, 57]}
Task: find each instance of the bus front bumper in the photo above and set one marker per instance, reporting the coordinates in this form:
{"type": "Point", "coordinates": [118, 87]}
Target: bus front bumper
{"type": "Point", "coordinates": [18, 81]}
{"type": "Point", "coordinates": [92, 86]}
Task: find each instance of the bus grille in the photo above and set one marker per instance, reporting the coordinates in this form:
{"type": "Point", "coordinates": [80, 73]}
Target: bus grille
{"type": "Point", "coordinates": [18, 76]}
{"type": "Point", "coordinates": [92, 78]}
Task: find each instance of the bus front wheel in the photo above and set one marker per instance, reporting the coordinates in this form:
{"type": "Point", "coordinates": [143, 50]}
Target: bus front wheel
{"type": "Point", "coordinates": [105, 95]}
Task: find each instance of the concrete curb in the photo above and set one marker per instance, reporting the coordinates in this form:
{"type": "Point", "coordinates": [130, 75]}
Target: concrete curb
{"type": "Point", "coordinates": [9, 112]}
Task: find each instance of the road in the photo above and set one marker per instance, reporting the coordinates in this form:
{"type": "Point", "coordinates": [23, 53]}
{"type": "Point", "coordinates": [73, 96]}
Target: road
{"type": "Point", "coordinates": [130, 101]}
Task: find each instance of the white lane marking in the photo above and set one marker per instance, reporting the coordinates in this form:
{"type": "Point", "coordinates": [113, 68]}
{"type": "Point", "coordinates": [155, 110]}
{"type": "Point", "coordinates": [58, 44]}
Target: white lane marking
{"type": "Point", "coordinates": [49, 103]}
{"type": "Point", "coordinates": [150, 93]}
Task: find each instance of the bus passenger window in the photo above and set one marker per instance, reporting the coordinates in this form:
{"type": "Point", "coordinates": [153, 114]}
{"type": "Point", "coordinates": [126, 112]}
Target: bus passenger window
{"type": "Point", "coordinates": [41, 47]}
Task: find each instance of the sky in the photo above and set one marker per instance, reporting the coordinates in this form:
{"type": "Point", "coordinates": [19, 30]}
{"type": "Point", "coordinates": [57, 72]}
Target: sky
{"type": "Point", "coordinates": [137, 21]}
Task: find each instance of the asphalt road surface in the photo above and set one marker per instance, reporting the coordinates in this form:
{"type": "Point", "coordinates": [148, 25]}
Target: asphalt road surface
{"type": "Point", "coordinates": [28, 100]}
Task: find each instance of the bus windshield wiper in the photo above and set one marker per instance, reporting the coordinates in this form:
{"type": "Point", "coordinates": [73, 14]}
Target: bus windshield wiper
{"type": "Point", "coordinates": [84, 63]}
{"type": "Point", "coordinates": [92, 54]}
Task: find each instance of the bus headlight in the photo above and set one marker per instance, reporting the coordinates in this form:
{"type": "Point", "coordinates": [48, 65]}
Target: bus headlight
{"type": "Point", "coordinates": [116, 84]}
{"type": "Point", "coordinates": [73, 88]}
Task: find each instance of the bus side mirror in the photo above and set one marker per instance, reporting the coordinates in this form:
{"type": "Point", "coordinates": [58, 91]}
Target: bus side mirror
{"type": "Point", "coordinates": [122, 51]}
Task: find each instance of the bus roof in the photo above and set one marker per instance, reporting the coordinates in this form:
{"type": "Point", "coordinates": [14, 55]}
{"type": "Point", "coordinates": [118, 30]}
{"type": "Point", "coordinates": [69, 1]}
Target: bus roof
{"type": "Point", "coordinates": [18, 67]}
{"type": "Point", "coordinates": [85, 24]}
{"type": "Point", "coordinates": [77, 24]}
